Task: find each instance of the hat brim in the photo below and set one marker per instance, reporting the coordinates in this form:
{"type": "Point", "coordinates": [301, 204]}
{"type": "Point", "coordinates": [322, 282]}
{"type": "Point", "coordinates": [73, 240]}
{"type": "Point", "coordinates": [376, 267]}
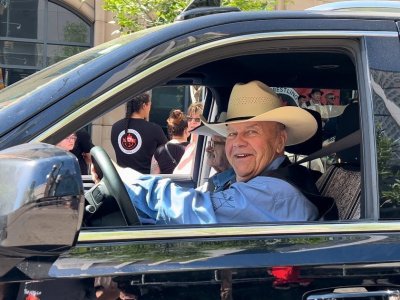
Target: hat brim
{"type": "Point", "coordinates": [300, 124]}
{"type": "Point", "coordinates": [207, 128]}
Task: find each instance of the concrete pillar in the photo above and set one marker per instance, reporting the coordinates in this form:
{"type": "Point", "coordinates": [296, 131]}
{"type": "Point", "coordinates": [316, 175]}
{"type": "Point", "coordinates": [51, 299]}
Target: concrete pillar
{"type": "Point", "coordinates": [104, 31]}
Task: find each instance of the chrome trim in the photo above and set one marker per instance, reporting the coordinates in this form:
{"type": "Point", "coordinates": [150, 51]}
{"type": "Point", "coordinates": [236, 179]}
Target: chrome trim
{"type": "Point", "coordinates": [137, 233]}
{"type": "Point", "coordinates": [382, 294]}
{"type": "Point", "coordinates": [370, 166]}
{"type": "Point", "coordinates": [205, 47]}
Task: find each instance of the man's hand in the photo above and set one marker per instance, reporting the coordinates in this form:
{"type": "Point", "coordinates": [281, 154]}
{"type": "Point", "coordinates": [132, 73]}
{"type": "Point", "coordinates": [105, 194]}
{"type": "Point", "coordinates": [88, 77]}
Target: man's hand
{"type": "Point", "coordinates": [127, 175]}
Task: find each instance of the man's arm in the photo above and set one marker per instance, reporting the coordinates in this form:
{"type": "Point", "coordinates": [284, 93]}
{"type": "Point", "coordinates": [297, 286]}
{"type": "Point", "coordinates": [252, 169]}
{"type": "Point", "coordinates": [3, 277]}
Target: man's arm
{"type": "Point", "coordinates": [127, 175]}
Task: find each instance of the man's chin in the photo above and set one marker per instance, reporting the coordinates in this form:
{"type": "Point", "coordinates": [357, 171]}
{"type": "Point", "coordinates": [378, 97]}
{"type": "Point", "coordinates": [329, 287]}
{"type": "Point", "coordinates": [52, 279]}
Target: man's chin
{"type": "Point", "coordinates": [242, 176]}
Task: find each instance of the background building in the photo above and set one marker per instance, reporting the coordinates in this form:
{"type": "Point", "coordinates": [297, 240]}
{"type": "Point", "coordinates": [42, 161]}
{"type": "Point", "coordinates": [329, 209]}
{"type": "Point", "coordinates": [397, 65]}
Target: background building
{"type": "Point", "coordinates": [37, 33]}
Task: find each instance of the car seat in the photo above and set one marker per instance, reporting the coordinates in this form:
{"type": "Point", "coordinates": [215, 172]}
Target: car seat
{"type": "Point", "coordinates": [308, 147]}
{"type": "Point", "coordinates": [306, 180]}
{"type": "Point", "coordinates": [342, 180]}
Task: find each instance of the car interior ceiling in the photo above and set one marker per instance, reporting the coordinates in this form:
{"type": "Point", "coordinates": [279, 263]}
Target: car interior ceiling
{"type": "Point", "coordinates": [312, 69]}
{"type": "Point", "coordinates": [332, 70]}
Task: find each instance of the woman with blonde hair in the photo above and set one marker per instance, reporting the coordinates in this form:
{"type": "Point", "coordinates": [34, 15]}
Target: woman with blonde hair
{"type": "Point", "coordinates": [185, 166]}
{"type": "Point", "coordinates": [167, 156]}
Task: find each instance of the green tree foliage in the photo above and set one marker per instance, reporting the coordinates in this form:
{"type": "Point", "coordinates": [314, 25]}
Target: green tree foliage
{"type": "Point", "coordinates": [73, 33]}
{"type": "Point", "coordinates": [134, 15]}
{"type": "Point", "coordinates": [388, 177]}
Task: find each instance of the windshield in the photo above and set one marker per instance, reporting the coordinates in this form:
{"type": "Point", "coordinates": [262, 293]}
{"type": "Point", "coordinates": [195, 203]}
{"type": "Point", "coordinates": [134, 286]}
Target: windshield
{"type": "Point", "coordinates": [23, 87]}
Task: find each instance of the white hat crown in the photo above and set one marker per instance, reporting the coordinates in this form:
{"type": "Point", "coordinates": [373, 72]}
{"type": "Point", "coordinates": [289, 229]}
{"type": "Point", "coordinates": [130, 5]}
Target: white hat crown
{"type": "Point", "coordinates": [257, 102]}
{"type": "Point", "coordinates": [250, 100]}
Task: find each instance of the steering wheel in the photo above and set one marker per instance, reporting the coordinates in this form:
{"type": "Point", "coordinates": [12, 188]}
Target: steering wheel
{"type": "Point", "coordinates": [110, 186]}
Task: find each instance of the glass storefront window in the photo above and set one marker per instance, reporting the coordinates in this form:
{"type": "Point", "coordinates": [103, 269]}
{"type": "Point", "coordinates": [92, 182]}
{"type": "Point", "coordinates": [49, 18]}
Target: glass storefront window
{"type": "Point", "coordinates": [22, 19]}
{"type": "Point", "coordinates": [37, 33]}
{"type": "Point", "coordinates": [14, 53]}
{"type": "Point", "coordinates": [11, 76]}
{"type": "Point", "coordinates": [55, 53]}
{"type": "Point", "coordinates": [66, 27]}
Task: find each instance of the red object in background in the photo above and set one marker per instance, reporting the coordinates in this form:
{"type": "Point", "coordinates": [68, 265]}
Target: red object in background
{"type": "Point", "coordinates": [327, 93]}
{"type": "Point", "coordinates": [32, 297]}
{"type": "Point", "coordinates": [288, 275]}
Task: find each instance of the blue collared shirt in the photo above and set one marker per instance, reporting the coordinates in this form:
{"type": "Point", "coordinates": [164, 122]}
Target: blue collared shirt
{"type": "Point", "coordinates": [261, 199]}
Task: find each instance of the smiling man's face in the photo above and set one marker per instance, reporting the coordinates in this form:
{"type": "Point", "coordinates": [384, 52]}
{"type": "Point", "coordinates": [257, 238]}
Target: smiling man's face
{"type": "Point", "coordinates": [252, 146]}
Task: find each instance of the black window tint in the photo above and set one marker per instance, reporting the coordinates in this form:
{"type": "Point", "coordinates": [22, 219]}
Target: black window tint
{"type": "Point", "coordinates": [384, 60]}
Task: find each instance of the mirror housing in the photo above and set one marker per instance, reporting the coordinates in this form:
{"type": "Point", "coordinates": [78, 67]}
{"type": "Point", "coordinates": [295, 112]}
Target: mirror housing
{"type": "Point", "coordinates": [41, 203]}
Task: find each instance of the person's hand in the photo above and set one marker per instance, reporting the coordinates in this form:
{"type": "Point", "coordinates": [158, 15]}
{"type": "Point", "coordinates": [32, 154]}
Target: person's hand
{"type": "Point", "coordinates": [93, 172]}
{"type": "Point", "coordinates": [87, 157]}
{"type": "Point", "coordinates": [127, 174]}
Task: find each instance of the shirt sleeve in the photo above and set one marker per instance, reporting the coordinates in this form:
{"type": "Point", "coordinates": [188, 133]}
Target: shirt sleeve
{"type": "Point", "coordinates": [262, 199]}
{"type": "Point", "coordinates": [162, 139]}
{"type": "Point", "coordinates": [168, 203]}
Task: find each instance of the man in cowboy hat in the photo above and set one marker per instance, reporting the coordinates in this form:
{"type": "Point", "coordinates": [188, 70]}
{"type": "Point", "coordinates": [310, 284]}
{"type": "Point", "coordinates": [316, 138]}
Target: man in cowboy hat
{"type": "Point", "coordinates": [257, 129]}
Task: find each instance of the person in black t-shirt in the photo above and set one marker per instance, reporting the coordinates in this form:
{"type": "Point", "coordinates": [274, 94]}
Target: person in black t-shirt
{"type": "Point", "coordinates": [167, 156]}
{"type": "Point", "coordinates": [134, 139]}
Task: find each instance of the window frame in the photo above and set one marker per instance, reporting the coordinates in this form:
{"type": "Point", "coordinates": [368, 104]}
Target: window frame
{"type": "Point", "coordinates": [322, 39]}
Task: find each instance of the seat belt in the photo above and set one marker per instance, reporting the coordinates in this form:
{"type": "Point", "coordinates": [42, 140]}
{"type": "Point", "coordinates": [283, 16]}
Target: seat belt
{"type": "Point", "coordinates": [348, 141]}
{"type": "Point", "coordinates": [296, 177]}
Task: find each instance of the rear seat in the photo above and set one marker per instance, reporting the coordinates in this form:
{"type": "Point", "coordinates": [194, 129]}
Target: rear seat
{"type": "Point", "coordinates": [342, 180]}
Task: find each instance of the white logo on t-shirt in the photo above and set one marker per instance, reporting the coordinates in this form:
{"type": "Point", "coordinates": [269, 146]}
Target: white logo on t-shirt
{"type": "Point", "coordinates": [129, 142]}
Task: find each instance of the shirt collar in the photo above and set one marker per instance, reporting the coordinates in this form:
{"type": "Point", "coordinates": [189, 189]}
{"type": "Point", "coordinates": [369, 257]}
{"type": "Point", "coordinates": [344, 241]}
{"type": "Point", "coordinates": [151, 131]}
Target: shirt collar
{"type": "Point", "coordinates": [275, 163]}
{"type": "Point", "coordinates": [221, 178]}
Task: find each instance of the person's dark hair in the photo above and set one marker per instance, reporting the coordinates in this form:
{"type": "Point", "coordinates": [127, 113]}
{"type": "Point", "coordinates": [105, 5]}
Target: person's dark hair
{"type": "Point", "coordinates": [176, 123]}
{"type": "Point", "coordinates": [136, 103]}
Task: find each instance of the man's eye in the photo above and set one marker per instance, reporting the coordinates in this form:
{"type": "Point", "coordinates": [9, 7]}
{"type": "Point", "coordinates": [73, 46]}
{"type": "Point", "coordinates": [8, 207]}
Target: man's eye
{"type": "Point", "coordinates": [251, 132]}
{"type": "Point", "coordinates": [231, 134]}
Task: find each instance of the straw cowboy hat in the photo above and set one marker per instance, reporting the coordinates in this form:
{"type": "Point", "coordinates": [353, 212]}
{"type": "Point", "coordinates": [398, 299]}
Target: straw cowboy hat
{"type": "Point", "coordinates": [205, 127]}
{"type": "Point", "coordinates": [255, 101]}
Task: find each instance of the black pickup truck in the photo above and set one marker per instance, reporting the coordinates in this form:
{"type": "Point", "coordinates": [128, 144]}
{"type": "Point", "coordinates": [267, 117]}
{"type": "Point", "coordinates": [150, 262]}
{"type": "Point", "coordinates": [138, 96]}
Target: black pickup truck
{"type": "Point", "coordinates": [54, 241]}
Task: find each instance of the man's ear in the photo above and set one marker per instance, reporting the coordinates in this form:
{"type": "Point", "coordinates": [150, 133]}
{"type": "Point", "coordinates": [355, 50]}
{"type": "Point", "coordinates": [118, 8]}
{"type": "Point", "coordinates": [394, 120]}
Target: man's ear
{"type": "Point", "coordinates": [281, 141]}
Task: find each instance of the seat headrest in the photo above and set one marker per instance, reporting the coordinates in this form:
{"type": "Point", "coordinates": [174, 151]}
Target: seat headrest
{"type": "Point", "coordinates": [348, 123]}
{"type": "Point", "coordinates": [314, 143]}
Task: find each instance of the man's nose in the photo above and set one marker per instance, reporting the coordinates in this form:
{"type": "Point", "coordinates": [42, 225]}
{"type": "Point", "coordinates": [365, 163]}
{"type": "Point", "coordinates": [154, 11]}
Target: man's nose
{"type": "Point", "coordinates": [239, 141]}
